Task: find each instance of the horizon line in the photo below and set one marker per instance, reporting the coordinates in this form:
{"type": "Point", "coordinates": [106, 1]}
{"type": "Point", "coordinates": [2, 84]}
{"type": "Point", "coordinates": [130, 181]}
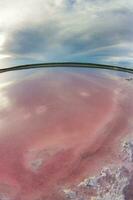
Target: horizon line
{"type": "Point", "coordinates": [66, 64]}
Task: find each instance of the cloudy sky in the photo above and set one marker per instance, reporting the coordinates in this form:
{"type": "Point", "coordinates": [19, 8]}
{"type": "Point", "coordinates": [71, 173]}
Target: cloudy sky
{"type": "Point", "coordinates": [35, 31]}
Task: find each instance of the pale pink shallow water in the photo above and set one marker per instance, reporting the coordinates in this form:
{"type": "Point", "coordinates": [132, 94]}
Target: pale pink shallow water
{"type": "Point", "coordinates": [58, 128]}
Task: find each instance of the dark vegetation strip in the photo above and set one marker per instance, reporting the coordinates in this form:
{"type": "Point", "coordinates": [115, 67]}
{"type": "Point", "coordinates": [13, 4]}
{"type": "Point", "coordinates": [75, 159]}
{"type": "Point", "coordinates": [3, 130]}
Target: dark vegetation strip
{"type": "Point", "coordinates": [67, 64]}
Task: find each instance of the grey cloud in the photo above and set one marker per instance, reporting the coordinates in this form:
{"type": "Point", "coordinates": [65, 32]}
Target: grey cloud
{"type": "Point", "coordinates": [32, 39]}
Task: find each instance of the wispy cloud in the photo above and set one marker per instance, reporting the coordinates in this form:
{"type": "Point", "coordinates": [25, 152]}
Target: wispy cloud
{"type": "Point", "coordinates": [66, 30]}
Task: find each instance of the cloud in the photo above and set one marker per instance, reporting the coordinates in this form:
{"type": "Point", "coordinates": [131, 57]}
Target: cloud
{"type": "Point", "coordinates": [67, 30]}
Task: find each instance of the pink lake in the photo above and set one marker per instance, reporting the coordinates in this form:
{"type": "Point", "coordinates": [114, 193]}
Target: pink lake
{"type": "Point", "coordinates": [58, 127]}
